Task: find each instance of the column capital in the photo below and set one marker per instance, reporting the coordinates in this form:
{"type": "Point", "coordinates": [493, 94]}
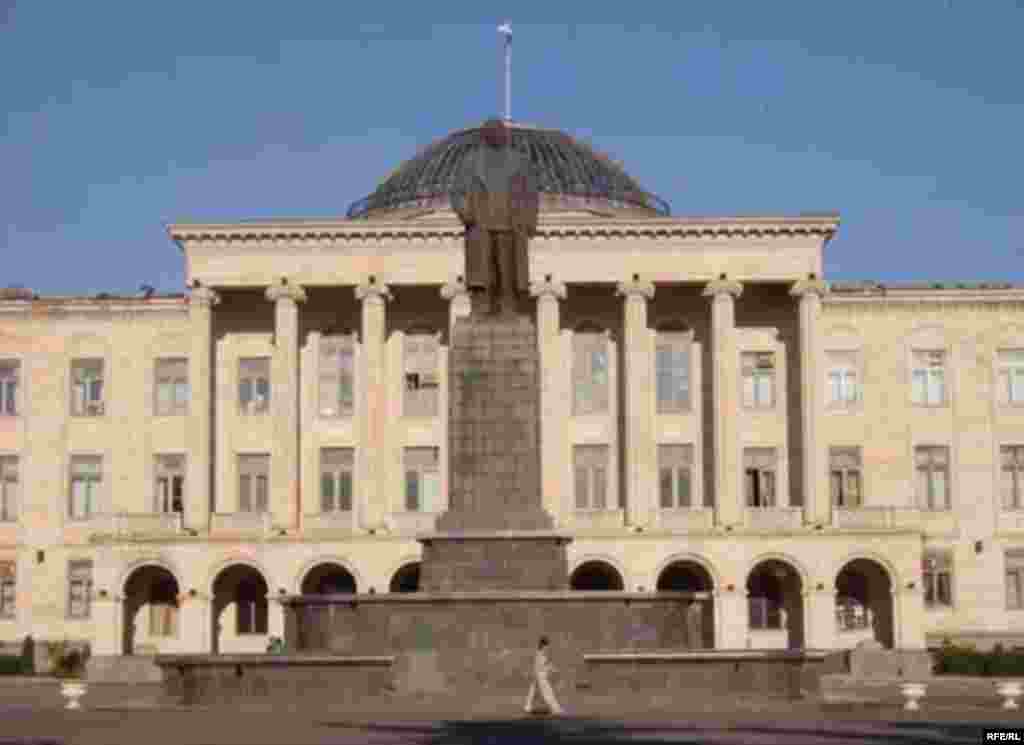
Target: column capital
{"type": "Point", "coordinates": [548, 287]}
{"type": "Point", "coordinates": [723, 287]}
{"type": "Point", "coordinates": [636, 287]}
{"type": "Point", "coordinates": [807, 287]}
{"type": "Point", "coordinates": [454, 288]}
{"type": "Point", "coordinates": [372, 289]}
{"type": "Point", "coordinates": [285, 291]}
{"type": "Point", "coordinates": [203, 297]}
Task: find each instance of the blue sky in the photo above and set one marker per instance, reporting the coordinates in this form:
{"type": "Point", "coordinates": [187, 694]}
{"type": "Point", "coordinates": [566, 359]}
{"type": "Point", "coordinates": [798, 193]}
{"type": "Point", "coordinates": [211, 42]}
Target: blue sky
{"type": "Point", "coordinates": [905, 117]}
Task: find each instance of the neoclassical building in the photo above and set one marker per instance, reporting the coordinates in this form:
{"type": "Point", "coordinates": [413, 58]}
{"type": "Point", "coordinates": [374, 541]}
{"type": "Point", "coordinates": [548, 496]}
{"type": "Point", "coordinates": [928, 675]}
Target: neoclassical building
{"type": "Point", "coordinates": [830, 463]}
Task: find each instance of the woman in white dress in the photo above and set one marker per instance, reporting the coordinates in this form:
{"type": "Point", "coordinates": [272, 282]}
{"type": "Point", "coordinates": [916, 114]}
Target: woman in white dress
{"type": "Point", "coordinates": [542, 668]}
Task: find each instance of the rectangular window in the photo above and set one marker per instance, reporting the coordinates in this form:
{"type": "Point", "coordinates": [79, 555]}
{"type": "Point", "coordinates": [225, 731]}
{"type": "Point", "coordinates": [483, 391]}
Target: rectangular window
{"type": "Point", "coordinates": [86, 480]}
{"type": "Point", "coordinates": [938, 579]}
{"type": "Point", "coordinates": [845, 477]}
{"type": "Point", "coordinates": [672, 372]}
{"type": "Point", "coordinates": [336, 466]}
{"type": "Point", "coordinates": [422, 480]}
{"type": "Point", "coordinates": [87, 387]}
{"type": "Point", "coordinates": [1012, 476]}
{"type": "Point", "coordinates": [759, 468]}
{"type": "Point", "coordinates": [10, 493]}
{"type": "Point", "coordinates": [928, 378]}
{"type": "Point", "coordinates": [79, 588]}
{"type": "Point", "coordinates": [843, 388]}
{"type": "Point", "coordinates": [254, 385]}
{"type": "Point", "coordinates": [10, 373]}
{"type": "Point", "coordinates": [590, 373]}
{"type": "Point", "coordinates": [422, 384]}
{"type": "Point", "coordinates": [1015, 579]}
{"type": "Point", "coordinates": [758, 379]}
{"type": "Point", "coordinates": [172, 390]}
{"type": "Point", "coordinates": [590, 463]}
{"type": "Point", "coordinates": [1011, 376]}
{"type": "Point", "coordinates": [253, 482]}
{"type": "Point", "coordinates": [337, 376]}
{"type": "Point", "coordinates": [932, 477]}
{"type": "Point", "coordinates": [8, 588]}
{"type": "Point", "coordinates": [675, 470]}
{"type": "Point", "coordinates": [169, 471]}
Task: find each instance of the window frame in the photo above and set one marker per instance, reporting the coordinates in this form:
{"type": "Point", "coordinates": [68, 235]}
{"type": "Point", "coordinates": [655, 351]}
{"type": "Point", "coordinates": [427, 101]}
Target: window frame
{"type": "Point", "coordinates": [86, 590]}
{"type": "Point", "coordinates": [763, 476]}
{"type": "Point", "coordinates": [421, 377]}
{"type": "Point", "coordinates": [588, 343]}
{"type": "Point", "coordinates": [90, 407]}
{"type": "Point", "coordinates": [1013, 566]}
{"type": "Point", "coordinates": [931, 575]}
{"type": "Point", "coordinates": [168, 378]}
{"type": "Point", "coordinates": [848, 361]}
{"type": "Point", "coordinates": [925, 502]}
{"type": "Point", "coordinates": [1005, 395]}
{"type": "Point", "coordinates": [854, 452]}
{"type": "Point", "coordinates": [754, 401]}
{"type": "Point", "coordinates": [7, 514]}
{"type": "Point", "coordinates": [18, 383]}
{"type": "Point", "coordinates": [335, 347]}
{"type": "Point", "coordinates": [915, 368]}
{"type": "Point", "coordinates": [162, 472]}
{"type": "Point", "coordinates": [414, 473]}
{"type": "Point", "coordinates": [8, 589]}
{"type": "Point", "coordinates": [94, 494]}
{"type": "Point", "coordinates": [245, 470]}
{"type": "Point", "coordinates": [591, 466]}
{"type": "Point", "coordinates": [249, 407]}
{"type": "Point", "coordinates": [336, 471]}
{"type": "Point", "coordinates": [677, 459]}
{"type": "Point", "coordinates": [676, 344]}
{"type": "Point", "coordinates": [1017, 477]}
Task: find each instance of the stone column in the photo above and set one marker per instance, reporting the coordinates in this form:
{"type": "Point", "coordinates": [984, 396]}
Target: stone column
{"type": "Point", "coordinates": [107, 623]}
{"type": "Point", "coordinates": [457, 295]}
{"type": "Point", "coordinates": [199, 484]}
{"type": "Point", "coordinates": [817, 503]}
{"type": "Point", "coordinates": [372, 455]}
{"type": "Point", "coordinates": [725, 388]}
{"type": "Point", "coordinates": [820, 618]}
{"type": "Point", "coordinates": [553, 412]}
{"type": "Point", "coordinates": [193, 623]}
{"type": "Point", "coordinates": [640, 448]}
{"type": "Point", "coordinates": [733, 629]}
{"type": "Point", "coordinates": [284, 402]}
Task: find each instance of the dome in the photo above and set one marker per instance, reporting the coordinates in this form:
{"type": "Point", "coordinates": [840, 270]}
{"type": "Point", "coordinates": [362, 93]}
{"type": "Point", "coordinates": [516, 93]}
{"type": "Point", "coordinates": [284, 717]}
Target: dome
{"type": "Point", "coordinates": [571, 176]}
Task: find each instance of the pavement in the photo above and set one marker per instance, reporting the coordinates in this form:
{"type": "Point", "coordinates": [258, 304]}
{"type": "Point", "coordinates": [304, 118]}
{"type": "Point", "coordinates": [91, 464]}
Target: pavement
{"type": "Point", "coordinates": [119, 713]}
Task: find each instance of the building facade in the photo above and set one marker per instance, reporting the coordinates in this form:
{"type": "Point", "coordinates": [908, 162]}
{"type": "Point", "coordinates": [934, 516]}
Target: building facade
{"type": "Point", "coordinates": [830, 463]}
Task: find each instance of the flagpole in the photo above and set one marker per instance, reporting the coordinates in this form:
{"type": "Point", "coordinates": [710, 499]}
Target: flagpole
{"type": "Point", "coordinates": [505, 30]}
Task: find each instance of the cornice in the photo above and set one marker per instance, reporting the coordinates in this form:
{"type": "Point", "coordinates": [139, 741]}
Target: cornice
{"type": "Point", "coordinates": [667, 227]}
{"type": "Point", "coordinates": [927, 297]}
{"type": "Point", "coordinates": [59, 308]}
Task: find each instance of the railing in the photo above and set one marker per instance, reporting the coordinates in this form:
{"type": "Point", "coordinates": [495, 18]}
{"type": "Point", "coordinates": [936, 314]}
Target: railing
{"type": "Point", "coordinates": [240, 522]}
{"type": "Point", "coordinates": [773, 518]}
{"type": "Point", "coordinates": [136, 523]}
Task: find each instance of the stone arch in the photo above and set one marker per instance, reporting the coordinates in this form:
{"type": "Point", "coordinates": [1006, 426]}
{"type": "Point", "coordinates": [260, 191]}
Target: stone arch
{"type": "Point", "coordinates": [313, 563]}
{"type": "Point", "coordinates": [158, 561]}
{"type": "Point", "coordinates": [396, 567]}
{"type": "Point", "coordinates": [689, 573]}
{"type": "Point", "coordinates": [150, 608]}
{"type": "Point", "coordinates": [604, 571]}
{"type": "Point", "coordinates": [775, 585]}
{"type": "Point", "coordinates": [784, 558]}
{"type": "Point", "coordinates": [239, 591]}
{"type": "Point", "coordinates": [697, 559]}
{"type": "Point", "coordinates": [328, 577]}
{"type": "Point", "coordinates": [228, 561]}
{"type": "Point", "coordinates": [865, 605]}
{"type": "Point", "coordinates": [406, 578]}
{"type": "Point", "coordinates": [886, 563]}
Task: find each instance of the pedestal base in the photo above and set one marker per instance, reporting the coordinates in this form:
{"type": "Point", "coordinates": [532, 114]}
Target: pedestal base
{"type": "Point", "coordinates": [514, 560]}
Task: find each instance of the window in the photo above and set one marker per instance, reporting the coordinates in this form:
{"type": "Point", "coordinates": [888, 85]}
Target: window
{"type": "Point", "coordinates": [845, 477]}
{"type": "Point", "coordinates": [9, 491]}
{"type": "Point", "coordinates": [590, 372]}
{"type": "Point", "coordinates": [1012, 476]}
{"type": "Point", "coordinates": [336, 479]}
{"type": "Point", "coordinates": [10, 371]}
{"type": "Point", "coordinates": [163, 608]}
{"type": "Point", "coordinates": [253, 482]}
{"type": "Point", "coordinates": [675, 469]}
{"type": "Point", "coordinates": [170, 483]}
{"type": "Point", "coordinates": [87, 387]}
{"type": "Point", "coordinates": [172, 391]}
{"type": "Point", "coordinates": [421, 378]}
{"type": "Point", "coordinates": [672, 372]}
{"type": "Point", "coordinates": [251, 605]}
{"type": "Point", "coordinates": [928, 378]}
{"type": "Point", "coordinates": [79, 588]}
{"type": "Point", "coordinates": [1011, 376]}
{"type": "Point", "coordinates": [8, 587]}
{"type": "Point", "coordinates": [851, 614]}
{"type": "Point", "coordinates": [932, 477]}
{"type": "Point", "coordinates": [1015, 579]}
{"type": "Point", "coordinates": [337, 377]}
{"type": "Point", "coordinates": [254, 385]}
{"type": "Point", "coordinates": [86, 480]}
{"type": "Point", "coordinates": [422, 480]}
{"type": "Point", "coordinates": [938, 579]}
{"type": "Point", "coordinates": [843, 389]}
{"type": "Point", "coordinates": [590, 463]}
{"type": "Point", "coordinates": [758, 380]}
{"type": "Point", "coordinates": [759, 467]}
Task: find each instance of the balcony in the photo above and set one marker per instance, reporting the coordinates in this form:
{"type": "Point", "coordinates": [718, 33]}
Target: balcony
{"type": "Point", "coordinates": [773, 518]}
{"type": "Point", "coordinates": [685, 520]}
{"type": "Point", "coordinates": [335, 521]}
{"type": "Point", "coordinates": [877, 518]}
{"type": "Point", "coordinates": [136, 524]}
{"type": "Point", "coordinates": [247, 523]}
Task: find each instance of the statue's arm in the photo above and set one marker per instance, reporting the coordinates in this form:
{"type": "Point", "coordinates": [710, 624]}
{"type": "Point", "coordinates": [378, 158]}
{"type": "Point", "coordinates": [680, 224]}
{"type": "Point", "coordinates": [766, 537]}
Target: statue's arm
{"type": "Point", "coordinates": [461, 193]}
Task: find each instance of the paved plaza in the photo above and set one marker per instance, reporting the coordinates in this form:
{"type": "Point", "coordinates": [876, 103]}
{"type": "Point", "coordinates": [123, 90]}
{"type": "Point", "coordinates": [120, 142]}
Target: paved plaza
{"type": "Point", "coordinates": [115, 714]}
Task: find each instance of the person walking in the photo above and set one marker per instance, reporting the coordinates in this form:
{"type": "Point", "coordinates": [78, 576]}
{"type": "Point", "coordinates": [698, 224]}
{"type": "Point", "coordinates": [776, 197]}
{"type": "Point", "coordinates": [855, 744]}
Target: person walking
{"type": "Point", "coordinates": [542, 668]}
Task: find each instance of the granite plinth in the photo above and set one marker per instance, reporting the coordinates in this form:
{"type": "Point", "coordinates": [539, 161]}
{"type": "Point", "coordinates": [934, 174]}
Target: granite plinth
{"type": "Point", "coordinates": [524, 560]}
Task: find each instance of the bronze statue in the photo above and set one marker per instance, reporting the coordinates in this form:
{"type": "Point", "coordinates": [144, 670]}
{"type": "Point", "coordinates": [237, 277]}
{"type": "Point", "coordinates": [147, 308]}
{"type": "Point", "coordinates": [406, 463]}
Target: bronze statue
{"type": "Point", "coordinates": [495, 195]}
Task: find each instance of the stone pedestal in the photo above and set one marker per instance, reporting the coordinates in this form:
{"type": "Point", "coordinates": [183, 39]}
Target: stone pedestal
{"type": "Point", "coordinates": [496, 533]}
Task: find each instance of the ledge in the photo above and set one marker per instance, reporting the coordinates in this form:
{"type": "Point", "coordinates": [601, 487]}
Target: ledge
{"type": "Point", "coordinates": [227, 660]}
{"type": "Point", "coordinates": [490, 596]}
{"type": "Point", "coordinates": [713, 655]}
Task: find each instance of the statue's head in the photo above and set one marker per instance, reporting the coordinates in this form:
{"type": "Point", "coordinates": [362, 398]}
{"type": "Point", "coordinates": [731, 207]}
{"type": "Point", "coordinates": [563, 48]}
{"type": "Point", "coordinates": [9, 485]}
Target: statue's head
{"type": "Point", "coordinates": [495, 133]}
